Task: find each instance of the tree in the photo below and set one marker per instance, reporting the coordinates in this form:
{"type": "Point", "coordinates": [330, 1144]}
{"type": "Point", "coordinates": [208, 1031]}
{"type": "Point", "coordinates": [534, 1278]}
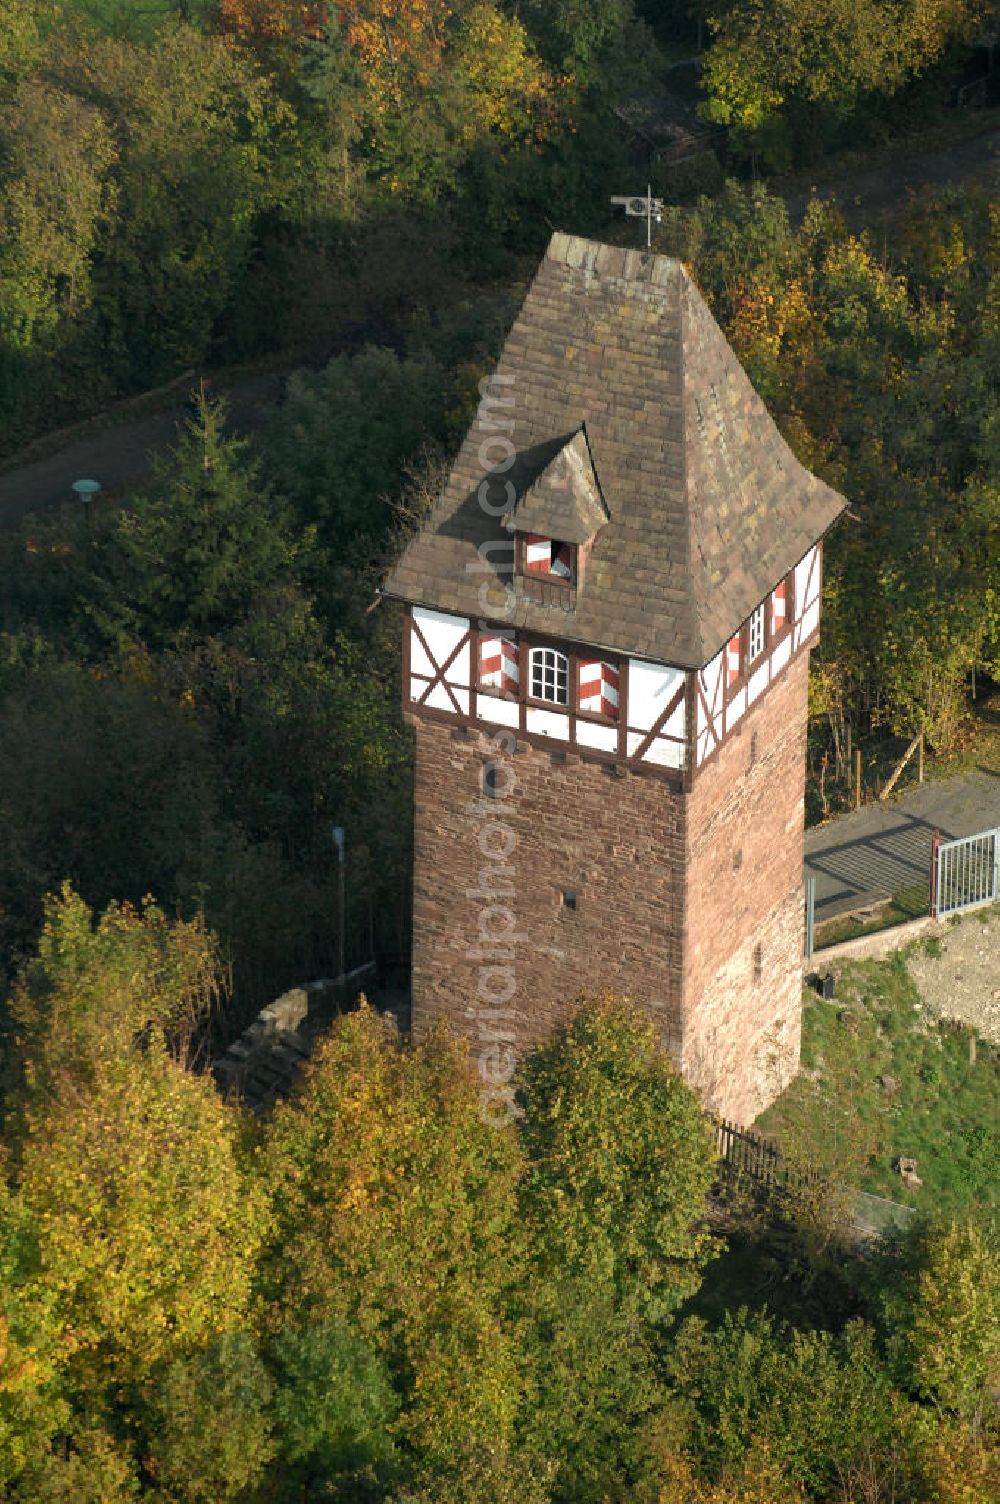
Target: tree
{"type": "Point", "coordinates": [190, 559]}
{"type": "Point", "coordinates": [822, 1406]}
{"type": "Point", "coordinates": [33, 1405]}
{"type": "Point", "coordinates": [56, 198]}
{"type": "Point", "coordinates": [592, 42]}
{"type": "Point", "coordinates": [116, 1142]}
{"type": "Point", "coordinates": [91, 1466]}
{"type": "Point", "coordinates": [756, 1480]}
{"type": "Point", "coordinates": [334, 1408]}
{"type": "Point", "coordinates": [794, 57]}
{"type": "Point", "coordinates": [428, 95]}
{"type": "Point", "coordinates": [396, 1214]}
{"type": "Point", "coordinates": [621, 1161]}
{"type": "Point", "coordinates": [20, 39]}
{"type": "Point", "coordinates": [944, 1312]}
{"type": "Point", "coordinates": [207, 1424]}
{"type": "Point", "coordinates": [119, 793]}
{"type": "Point", "coordinates": [200, 141]}
{"type": "Point", "coordinates": [962, 1465]}
{"type": "Point", "coordinates": [340, 439]}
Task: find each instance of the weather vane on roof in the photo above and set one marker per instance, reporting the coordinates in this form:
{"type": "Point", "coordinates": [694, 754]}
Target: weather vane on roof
{"type": "Point", "coordinates": [648, 208]}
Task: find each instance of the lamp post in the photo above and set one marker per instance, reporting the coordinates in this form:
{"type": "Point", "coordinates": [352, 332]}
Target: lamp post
{"type": "Point", "coordinates": [85, 491]}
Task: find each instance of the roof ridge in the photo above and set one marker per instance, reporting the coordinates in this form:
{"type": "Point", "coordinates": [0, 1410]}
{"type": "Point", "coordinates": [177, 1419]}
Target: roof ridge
{"type": "Point", "coordinates": [689, 527]}
{"type": "Point", "coordinates": [634, 264]}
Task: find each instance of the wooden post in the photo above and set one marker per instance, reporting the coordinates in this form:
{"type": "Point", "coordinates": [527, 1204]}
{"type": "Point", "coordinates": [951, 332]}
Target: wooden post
{"type": "Point", "coordinates": [920, 759]}
{"type": "Point", "coordinates": [972, 1047]}
{"type": "Point", "coordinates": [857, 778]}
{"type": "Point", "coordinates": [915, 746]}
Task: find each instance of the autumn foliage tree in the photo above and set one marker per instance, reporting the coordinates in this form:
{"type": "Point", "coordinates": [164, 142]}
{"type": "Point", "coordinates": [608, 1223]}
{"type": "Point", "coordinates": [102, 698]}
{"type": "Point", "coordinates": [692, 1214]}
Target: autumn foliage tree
{"type": "Point", "coordinates": [144, 1227]}
{"type": "Point", "coordinates": [792, 59]}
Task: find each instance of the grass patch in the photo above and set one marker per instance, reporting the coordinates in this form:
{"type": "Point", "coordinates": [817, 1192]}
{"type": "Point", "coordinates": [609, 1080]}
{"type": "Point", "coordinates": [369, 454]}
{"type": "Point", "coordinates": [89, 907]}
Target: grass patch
{"type": "Point", "coordinates": [942, 1110]}
{"type": "Point", "coordinates": [909, 903]}
{"type": "Point", "coordinates": [977, 745]}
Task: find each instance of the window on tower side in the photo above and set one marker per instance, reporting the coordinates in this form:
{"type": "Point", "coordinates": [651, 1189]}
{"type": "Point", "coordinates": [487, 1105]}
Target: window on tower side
{"type": "Point", "coordinates": [549, 676]}
{"type": "Point", "coordinates": [755, 635]}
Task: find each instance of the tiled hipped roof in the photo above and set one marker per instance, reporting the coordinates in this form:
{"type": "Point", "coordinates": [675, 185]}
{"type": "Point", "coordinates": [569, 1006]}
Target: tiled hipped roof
{"type": "Point", "coordinates": [708, 506]}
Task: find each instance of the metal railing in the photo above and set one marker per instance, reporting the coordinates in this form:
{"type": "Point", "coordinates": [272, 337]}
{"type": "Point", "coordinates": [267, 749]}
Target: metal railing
{"type": "Point", "coordinates": [965, 872]}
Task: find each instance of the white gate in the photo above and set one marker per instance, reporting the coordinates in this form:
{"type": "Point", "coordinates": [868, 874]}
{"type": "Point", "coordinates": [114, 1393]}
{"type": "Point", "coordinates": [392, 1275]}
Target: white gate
{"type": "Point", "coordinates": [965, 873]}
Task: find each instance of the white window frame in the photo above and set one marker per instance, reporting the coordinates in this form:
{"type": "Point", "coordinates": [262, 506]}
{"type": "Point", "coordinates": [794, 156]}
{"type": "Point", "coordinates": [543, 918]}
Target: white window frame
{"type": "Point", "coordinates": [548, 673]}
{"type": "Point", "coordinates": [756, 639]}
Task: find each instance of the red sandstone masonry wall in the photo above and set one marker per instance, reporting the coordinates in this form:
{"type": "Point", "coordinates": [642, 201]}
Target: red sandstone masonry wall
{"type": "Point", "coordinates": [617, 842]}
{"type": "Point", "coordinates": [744, 860]}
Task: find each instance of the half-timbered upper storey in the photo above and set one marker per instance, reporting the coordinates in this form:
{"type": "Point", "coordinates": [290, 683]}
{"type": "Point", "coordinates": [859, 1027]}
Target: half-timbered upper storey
{"type": "Point", "coordinates": [626, 552]}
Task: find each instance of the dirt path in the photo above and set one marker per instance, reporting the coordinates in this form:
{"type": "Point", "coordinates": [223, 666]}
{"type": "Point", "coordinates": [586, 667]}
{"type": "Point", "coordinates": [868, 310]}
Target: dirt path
{"type": "Point", "coordinates": [963, 981]}
{"type": "Point", "coordinates": [120, 455]}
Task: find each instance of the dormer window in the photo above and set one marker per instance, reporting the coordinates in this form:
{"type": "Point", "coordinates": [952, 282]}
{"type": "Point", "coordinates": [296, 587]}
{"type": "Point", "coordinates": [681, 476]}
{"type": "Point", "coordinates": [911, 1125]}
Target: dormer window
{"type": "Point", "coordinates": [556, 521]}
{"type": "Point", "coordinates": [549, 677]}
{"type": "Point", "coordinates": [548, 557]}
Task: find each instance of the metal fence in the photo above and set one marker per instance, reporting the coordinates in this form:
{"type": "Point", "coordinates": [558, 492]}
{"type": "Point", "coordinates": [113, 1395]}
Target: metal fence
{"type": "Point", "coordinates": [965, 872]}
{"type": "Point", "coordinates": [810, 917]}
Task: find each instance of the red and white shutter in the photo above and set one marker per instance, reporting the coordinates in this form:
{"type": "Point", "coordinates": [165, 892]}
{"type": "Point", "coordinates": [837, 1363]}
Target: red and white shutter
{"type": "Point", "coordinates": [732, 660]}
{"type": "Point", "coordinates": [498, 665]}
{"type": "Point", "coordinates": [599, 688]}
{"type": "Point", "coordinates": [779, 608]}
{"type": "Point", "coordinates": [537, 553]}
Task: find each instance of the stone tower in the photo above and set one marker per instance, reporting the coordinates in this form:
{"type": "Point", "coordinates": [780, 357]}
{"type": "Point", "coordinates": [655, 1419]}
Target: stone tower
{"type": "Point", "coordinates": [609, 617]}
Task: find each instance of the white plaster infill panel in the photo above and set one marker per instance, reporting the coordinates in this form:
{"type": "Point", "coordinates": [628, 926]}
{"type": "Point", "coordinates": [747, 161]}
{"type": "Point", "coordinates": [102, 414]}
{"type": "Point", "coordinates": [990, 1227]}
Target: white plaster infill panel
{"type": "Point", "coordinates": [736, 707]}
{"type": "Point", "coordinates": [603, 738]}
{"type": "Point", "coordinates": [665, 754]}
{"type": "Point", "coordinates": [547, 723]}
{"type": "Point", "coordinates": [651, 687]}
{"type": "Point", "coordinates": [781, 654]}
{"type": "Point", "coordinates": [443, 634]}
{"type": "Point", "coordinates": [810, 620]}
{"type": "Point", "coordinates": [440, 699]}
{"type": "Point", "coordinates": [709, 713]}
{"type": "Point", "coordinates": [758, 682]}
{"type": "Point", "coordinates": [496, 712]}
{"type": "Point", "coordinates": [807, 580]}
{"type": "Point", "coordinates": [420, 664]}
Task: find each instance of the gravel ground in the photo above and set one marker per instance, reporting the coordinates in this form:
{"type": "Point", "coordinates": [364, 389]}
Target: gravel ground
{"type": "Point", "coordinates": [963, 982]}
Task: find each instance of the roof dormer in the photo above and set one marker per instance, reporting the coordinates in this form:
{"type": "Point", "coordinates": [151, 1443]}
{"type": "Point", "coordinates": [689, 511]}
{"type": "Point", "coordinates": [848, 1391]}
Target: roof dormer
{"type": "Point", "coordinates": [558, 517]}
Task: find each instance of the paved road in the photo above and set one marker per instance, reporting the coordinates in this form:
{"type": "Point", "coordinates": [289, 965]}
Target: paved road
{"type": "Point", "coordinates": [119, 456]}
{"type": "Point", "coordinates": [878, 849]}
{"type": "Point", "coordinates": [864, 197]}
